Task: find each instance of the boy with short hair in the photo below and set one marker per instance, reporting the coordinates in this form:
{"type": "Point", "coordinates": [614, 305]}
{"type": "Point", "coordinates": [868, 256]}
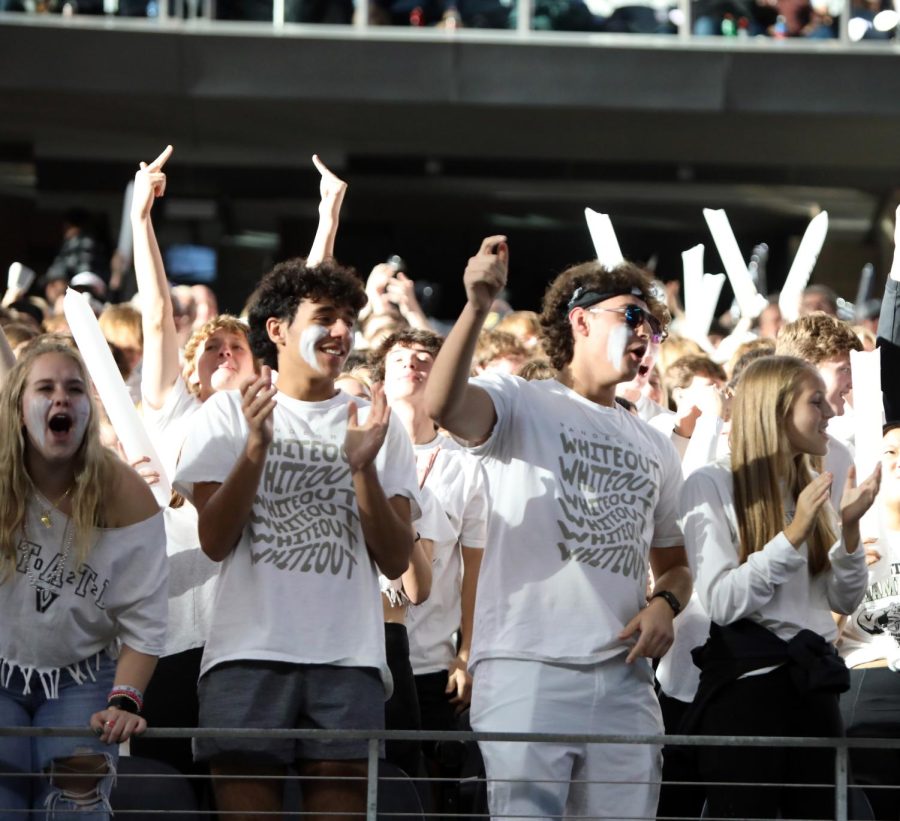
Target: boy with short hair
{"type": "Point", "coordinates": [299, 501]}
{"type": "Point", "coordinates": [825, 342]}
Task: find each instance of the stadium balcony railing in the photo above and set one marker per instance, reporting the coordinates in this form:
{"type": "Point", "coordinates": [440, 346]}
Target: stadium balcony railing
{"type": "Point", "coordinates": [391, 794]}
{"type": "Point", "coordinates": [857, 20]}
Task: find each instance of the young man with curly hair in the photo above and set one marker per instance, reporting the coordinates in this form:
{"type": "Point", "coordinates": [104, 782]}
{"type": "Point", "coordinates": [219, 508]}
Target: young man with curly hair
{"type": "Point", "coordinates": [300, 501]}
{"type": "Point", "coordinates": [584, 502]}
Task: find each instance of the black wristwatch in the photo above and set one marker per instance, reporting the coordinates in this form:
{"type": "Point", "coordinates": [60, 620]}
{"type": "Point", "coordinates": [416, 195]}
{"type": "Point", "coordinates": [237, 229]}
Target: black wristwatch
{"type": "Point", "coordinates": [670, 598]}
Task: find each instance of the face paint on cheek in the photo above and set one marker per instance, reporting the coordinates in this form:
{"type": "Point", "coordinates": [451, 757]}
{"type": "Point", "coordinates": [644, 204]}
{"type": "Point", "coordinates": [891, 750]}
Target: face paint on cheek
{"type": "Point", "coordinates": [615, 345]}
{"type": "Point", "coordinates": [35, 412]}
{"type": "Point", "coordinates": [308, 341]}
{"type": "Point", "coordinates": [81, 414]}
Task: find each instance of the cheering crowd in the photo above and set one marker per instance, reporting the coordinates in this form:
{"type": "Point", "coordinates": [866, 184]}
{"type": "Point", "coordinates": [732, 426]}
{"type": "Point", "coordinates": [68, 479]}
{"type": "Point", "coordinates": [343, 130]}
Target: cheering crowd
{"type": "Point", "coordinates": [572, 522]}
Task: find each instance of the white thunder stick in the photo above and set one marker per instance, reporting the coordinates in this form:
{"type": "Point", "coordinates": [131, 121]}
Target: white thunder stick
{"type": "Point", "coordinates": [804, 262]}
{"type": "Point", "coordinates": [609, 255]}
{"type": "Point", "coordinates": [749, 300]}
{"type": "Point", "coordinates": [120, 409]}
{"type": "Point", "coordinates": [868, 418]}
{"type": "Point", "coordinates": [701, 295]}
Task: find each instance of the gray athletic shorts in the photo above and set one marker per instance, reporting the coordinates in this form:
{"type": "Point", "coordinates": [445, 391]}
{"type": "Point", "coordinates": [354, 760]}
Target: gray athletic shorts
{"type": "Point", "coordinates": [269, 694]}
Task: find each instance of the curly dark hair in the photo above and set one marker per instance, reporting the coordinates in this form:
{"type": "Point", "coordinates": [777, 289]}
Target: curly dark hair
{"type": "Point", "coordinates": [406, 338]}
{"type": "Point", "coordinates": [281, 291]}
{"type": "Point", "coordinates": [556, 330]}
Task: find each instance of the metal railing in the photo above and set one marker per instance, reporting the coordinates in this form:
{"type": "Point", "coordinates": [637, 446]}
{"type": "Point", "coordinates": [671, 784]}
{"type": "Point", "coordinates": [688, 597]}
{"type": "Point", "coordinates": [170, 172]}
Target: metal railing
{"type": "Point", "coordinates": [675, 15]}
{"type": "Point", "coordinates": [841, 746]}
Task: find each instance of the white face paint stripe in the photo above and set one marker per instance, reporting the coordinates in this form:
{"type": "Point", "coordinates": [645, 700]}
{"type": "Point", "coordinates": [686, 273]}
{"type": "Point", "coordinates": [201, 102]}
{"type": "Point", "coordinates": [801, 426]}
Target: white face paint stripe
{"type": "Point", "coordinates": [308, 341]}
{"type": "Point", "coordinates": [81, 414]}
{"type": "Point", "coordinates": [35, 412]}
{"type": "Point", "coordinates": [615, 344]}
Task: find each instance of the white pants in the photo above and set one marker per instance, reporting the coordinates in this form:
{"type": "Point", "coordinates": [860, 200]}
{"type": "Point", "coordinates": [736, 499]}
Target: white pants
{"type": "Point", "coordinates": [556, 779]}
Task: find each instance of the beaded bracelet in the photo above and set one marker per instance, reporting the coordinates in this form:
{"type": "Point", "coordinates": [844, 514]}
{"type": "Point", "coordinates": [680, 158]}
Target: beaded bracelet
{"type": "Point", "coordinates": [126, 703]}
{"type": "Point", "coordinates": [126, 698]}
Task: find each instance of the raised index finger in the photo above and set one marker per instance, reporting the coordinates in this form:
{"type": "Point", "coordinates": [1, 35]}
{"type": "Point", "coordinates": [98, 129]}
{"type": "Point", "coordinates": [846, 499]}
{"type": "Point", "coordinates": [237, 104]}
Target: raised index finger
{"type": "Point", "coordinates": [162, 159]}
{"type": "Point", "coordinates": [320, 166]}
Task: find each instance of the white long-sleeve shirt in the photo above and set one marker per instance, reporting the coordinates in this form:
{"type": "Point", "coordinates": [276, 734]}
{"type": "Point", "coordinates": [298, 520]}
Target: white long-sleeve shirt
{"type": "Point", "coordinates": [773, 587]}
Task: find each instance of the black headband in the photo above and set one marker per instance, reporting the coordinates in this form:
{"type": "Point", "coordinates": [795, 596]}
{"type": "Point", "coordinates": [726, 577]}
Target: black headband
{"type": "Point", "coordinates": [584, 299]}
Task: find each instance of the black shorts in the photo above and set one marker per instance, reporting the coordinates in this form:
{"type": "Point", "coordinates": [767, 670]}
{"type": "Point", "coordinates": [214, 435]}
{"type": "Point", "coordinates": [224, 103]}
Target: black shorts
{"type": "Point", "coordinates": [267, 694]}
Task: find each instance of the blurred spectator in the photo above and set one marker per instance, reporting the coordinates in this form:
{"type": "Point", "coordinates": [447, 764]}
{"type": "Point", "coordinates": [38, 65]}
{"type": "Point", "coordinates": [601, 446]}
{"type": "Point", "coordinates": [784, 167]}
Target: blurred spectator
{"type": "Point", "coordinates": [442, 13]}
{"type": "Point", "coordinates": [89, 283]}
{"type": "Point", "coordinates": [763, 344]}
{"type": "Point", "coordinates": [674, 348]}
{"type": "Point", "coordinates": [18, 333]}
{"type": "Point", "coordinates": [539, 369]}
{"type": "Point", "coordinates": [525, 326]}
{"type": "Point", "coordinates": [770, 320]}
{"type": "Point", "coordinates": [80, 251]}
{"type": "Point", "coordinates": [55, 282]}
{"type": "Point", "coordinates": [818, 298]}
{"type": "Point", "coordinates": [206, 305]}
{"type": "Point", "coordinates": [561, 15]}
{"type": "Point", "coordinates": [56, 324]}
{"type": "Point", "coordinates": [499, 351]}
{"type": "Point", "coordinates": [295, 11]}
{"type": "Point", "coordinates": [121, 326]}
{"type": "Point", "coordinates": [866, 336]}
{"type": "Point", "coordinates": [867, 314]}
{"type": "Point", "coordinates": [872, 20]}
{"type": "Point", "coordinates": [184, 309]}
{"type": "Point", "coordinates": [27, 312]}
{"type": "Point", "coordinates": [650, 17]}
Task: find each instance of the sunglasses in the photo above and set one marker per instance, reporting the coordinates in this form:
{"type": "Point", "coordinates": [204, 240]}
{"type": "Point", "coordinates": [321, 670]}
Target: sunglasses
{"type": "Point", "coordinates": [635, 318]}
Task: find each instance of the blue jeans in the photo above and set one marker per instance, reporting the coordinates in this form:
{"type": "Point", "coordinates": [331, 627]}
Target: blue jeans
{"type": "Point", "coordinates": [28, 755]}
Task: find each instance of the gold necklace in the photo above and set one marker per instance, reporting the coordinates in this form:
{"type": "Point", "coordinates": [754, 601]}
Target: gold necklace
{"type": "Point", "coordinates": [46, 521]}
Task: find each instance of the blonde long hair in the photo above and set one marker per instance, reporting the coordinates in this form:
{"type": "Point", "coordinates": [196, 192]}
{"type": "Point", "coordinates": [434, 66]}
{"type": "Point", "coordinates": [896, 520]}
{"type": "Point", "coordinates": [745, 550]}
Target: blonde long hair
{"type": "Point", "coordinates": [762, 464]}
{"type": "Point", "coordinates": [95, 466]}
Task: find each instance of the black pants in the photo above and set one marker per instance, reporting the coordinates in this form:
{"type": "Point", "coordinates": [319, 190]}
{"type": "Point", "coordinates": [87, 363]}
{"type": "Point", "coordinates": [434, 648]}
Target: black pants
{"type": "Point", "coordinates": [769, 705]}
{"type": "Point", "coordinates": [401, 711]}
{"type": "Point", "coordinates": [678, 800]}
{"type": "Point", "coordinates": [871, 709]}
{"type": "Point", "coordinates": [171, 701]}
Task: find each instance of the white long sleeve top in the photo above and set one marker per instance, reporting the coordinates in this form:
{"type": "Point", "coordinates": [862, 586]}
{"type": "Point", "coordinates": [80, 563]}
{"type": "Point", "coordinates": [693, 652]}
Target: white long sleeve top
{"type": "Point", "coordinates": [773, 587]}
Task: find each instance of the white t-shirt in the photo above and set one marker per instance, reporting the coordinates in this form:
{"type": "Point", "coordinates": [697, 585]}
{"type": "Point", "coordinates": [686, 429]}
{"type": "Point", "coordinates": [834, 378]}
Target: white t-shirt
{"type": "Point", "coordinates": [842, 428]}
{"type": "Point", "coordinates": [773, 587]}
{"type": "Point", "coordinates": [168, 424]}
{"type": "Point", "coordinates": [192, 574]}
{"type": "Point", "coordinates": [457, 481]}
{"type": "Point", "coordinates": [579, 493]}
{"type": "Point", "coordinates": [54, 621]}
{"type": "Point", "coordinates": [431, 523]}
{"type": "Point", "coordinates": [300, 585]}
{"type": "Point", "coordinates": [648, 409]}
{"type": "Point", "coordinates": [872, 632]}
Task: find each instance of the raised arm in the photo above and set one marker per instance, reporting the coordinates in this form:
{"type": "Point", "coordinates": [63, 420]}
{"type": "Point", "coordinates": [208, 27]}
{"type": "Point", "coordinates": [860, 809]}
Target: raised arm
{"type": "Point", "coordinates": [331, 192]}
{"type": "Point", "coordinates": [160, 367]}
{"type": "Point", "coordinates": [466, 410]}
